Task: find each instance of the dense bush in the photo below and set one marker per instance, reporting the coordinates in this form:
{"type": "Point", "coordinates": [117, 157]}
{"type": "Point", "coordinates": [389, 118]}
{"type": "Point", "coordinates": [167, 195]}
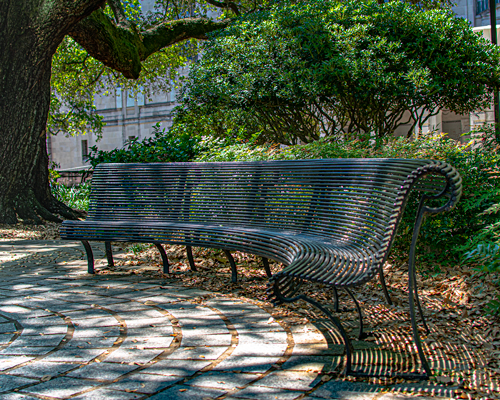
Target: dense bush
{"type": "Point", "coordinates": [174, 145]}
{"type": "Point", "coordinates": [349, 69]}
{"type": "Point", "coordinates": [452, 232]}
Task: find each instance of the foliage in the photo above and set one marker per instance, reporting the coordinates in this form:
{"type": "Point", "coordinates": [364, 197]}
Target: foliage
{"type": "Point", "coordinates": [171, 146]}
{"type": "Point", "coordinates": [73, 196]}
{"type": "Point", "coordinates": [443, 237]}
{"type": "Point", "coordinates": [346, 69]}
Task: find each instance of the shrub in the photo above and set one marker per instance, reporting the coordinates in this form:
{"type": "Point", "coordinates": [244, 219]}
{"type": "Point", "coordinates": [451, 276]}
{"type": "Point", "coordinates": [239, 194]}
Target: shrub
{"type": "Point", "coordinates": [174, 145]}
{"type": "Point", "coordinates": [348, 69]}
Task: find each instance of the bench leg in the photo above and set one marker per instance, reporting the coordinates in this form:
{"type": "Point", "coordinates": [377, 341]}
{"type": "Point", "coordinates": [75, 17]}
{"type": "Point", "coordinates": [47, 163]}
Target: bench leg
{"type": "Point", "coordinates": [234, 272]}
{"type": "Point", "coordinates": [361, 334]}
{"type": "Point", "coordinates": [109, 254]}
{"type": "Point", "coordinates": [336, 321]}
{"type": "Point", "coordinates": [277, 296]}
{"type": "Point", "coordinates": [335, 299]}
{"type": "Point", "coordinates": [90, 257]}
{"type": "Point", "coordinates": [384, 286]}
{"type": "Point", "coordinates": [189, 252]}
{"type": "Point", "coordinates": [265, 261]}
{"type": "Point", "coordinates": [413, 292]}
{"type": "Point", "coordinates": [164, 258]}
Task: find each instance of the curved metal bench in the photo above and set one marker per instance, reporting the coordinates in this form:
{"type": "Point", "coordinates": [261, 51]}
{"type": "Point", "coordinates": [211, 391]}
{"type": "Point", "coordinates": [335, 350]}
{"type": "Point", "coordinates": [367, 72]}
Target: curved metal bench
{"type": "Point", "coordinates": [331, 221]}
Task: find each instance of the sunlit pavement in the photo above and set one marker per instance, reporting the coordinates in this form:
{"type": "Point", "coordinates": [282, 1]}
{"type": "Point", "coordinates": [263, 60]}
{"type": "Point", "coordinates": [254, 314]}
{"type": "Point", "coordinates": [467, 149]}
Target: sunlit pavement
{"type": "Point", "coordinates": [66, 334]}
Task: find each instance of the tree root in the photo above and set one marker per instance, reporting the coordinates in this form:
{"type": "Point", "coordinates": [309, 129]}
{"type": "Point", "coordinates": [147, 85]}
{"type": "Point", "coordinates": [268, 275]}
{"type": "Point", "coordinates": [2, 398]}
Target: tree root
{"type": "Point", "coordinates": [62, 209]}
{"type": "Point", "coordinates": [30, 210]}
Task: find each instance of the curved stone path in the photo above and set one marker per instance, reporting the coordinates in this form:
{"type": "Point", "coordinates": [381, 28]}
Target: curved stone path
{"type": "Point", "coordinates": [65, 334]}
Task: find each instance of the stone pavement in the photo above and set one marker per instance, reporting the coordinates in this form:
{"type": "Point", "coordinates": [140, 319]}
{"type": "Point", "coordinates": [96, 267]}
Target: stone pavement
{"type": "Point", "coordinates": [65, 334]}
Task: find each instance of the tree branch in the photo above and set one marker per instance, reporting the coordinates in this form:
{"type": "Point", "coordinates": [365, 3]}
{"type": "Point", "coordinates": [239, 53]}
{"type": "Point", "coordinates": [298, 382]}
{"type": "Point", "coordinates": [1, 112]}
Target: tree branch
{"type": "Point", "coordinates": [226, 4]}
{"type": "Point", "coordinates": [119, 13]}
{"type": "Point", "coordinates": [123, 49]}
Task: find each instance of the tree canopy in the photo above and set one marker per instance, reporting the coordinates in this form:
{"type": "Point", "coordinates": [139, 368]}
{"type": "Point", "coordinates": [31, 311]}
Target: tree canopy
{"type": "Point", "coordinates": [346, 69]}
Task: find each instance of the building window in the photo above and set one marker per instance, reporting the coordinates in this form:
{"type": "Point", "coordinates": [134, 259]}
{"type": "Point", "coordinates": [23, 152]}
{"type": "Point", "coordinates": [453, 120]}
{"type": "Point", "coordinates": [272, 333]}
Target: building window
{"type": "Point", "coordinates": [130, 99]}
{"type": "Point", "coordinates": [85, 151]}
{"type": "Point", "coordinates": [118, 97]}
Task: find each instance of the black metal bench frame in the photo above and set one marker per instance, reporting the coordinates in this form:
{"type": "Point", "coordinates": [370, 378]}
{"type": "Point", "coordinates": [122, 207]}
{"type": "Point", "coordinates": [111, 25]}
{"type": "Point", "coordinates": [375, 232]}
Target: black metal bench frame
{"type": "Point", "coordinates": [329, 221]}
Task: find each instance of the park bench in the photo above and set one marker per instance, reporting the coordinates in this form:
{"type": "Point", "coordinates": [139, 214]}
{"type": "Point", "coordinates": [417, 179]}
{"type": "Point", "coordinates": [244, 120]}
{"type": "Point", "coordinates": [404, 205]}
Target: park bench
{"type": "Point", "coordinates": [331, 221]}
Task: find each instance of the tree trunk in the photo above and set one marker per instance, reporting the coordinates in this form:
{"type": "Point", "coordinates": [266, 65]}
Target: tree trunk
{"type": "Point", "coordinates": [26, 51]}
{"type": "Point", "coordinates": [30, 32]}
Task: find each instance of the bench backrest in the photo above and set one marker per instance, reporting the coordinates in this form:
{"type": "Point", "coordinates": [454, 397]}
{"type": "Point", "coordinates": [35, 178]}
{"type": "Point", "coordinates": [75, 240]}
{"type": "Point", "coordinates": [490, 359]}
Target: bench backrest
{"type": "Point", "coordinates": [356, 200]}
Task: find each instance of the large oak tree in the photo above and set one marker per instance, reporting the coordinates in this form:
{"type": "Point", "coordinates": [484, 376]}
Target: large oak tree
{"type": "Point", "coordinates": [30, 33]}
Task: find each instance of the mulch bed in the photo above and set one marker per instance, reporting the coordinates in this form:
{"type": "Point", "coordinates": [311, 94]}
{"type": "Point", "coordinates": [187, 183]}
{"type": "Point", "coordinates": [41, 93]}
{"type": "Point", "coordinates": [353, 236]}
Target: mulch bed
{"type": "Point", "coordinates": [463, 337]}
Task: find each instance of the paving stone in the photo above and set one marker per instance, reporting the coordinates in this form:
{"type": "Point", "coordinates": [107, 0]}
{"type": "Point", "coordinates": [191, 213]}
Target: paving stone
{"type": "Point", "coordinates": [201, 353]}
{"type": "Point", "coordinates": [180, 392]}
{"type": "Point", "coordinates": [9, 382]}
{"type": "Point", "coordinates": [156, 342]}
{"type": "Point", "coordinates": [222, 380]}
{"type": "Point", "coordinates": [6, 338]}
{"type": "Point", "coordinates": [42, 368]}
{"type": "Point", "coordinates": [106, 394]}
{"type": "Point", "coordinates": [312, 363]}
{"type": "Point", "coordinates": [263, 350]}
{"type": "Point", "coordinates": [26, 350]}
{"type": "Point", "coordinates": [104, 371]}
{"type": "Point", "coordinates": [91, 343]}
{"type": "Point", "coordinates": [46, 330]}
{"type": "Point", "coordinates": [60, 387]}
{"type": "Point", "coordinates": [246, 364]}
{"type": "Point", "coordinates": [7, 327]}
{"type": "Point", "coordinates": [289, 380]}
{"type": "Point", "coordinates": [12, 361]}
{"type": "Point", "coordinates": [262, 392]}
{"type": "Point", "coordinates": [131, 355]}
{"type": "Point", "coordinates": [108, 331]}
{"type": "Point", "coordinates": [160, 299]}
{"type": "Point", "coordinates": [196, 339]}
{"type": "Point", "coordinates": [17, 312]}
{"type": "Point", "coordinates": [145, 383]}
{"type": "Point", "coordinates": [17, 396]}
{"type": "Point", "coordinates": [74, 355]}
{"type": "Point", "coordinates": [176, 367]}
{"type": "Point", "coordinates": [164, 330]}
{"type": "Point", "coordinates": [162, 323]}
{"type": "Point", "coordinates": [95, 322]}
{"type": "Point", "coordinates": [336, 389]}
{"type": "Point", "coordinates": [45, 340]}
{"type": "Point", "coordinates": [318, 349]}
{"type": "Point", "coordinates": [143, 314]}
{"type": "Point", "coordinates": [262, 337]}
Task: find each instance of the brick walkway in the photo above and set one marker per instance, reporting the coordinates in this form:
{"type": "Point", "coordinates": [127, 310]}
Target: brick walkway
{"type": "Point", "coordinates": [65, 334]}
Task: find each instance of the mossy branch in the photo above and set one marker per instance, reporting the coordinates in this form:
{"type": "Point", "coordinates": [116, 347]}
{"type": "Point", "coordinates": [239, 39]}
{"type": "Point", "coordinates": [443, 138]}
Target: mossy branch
{"type": "Point", "coordinates": [123, 49]}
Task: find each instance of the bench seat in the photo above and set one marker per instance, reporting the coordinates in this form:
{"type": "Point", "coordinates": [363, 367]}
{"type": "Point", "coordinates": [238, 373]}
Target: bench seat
{"type": "Point", "coordinates": [309, 257]}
